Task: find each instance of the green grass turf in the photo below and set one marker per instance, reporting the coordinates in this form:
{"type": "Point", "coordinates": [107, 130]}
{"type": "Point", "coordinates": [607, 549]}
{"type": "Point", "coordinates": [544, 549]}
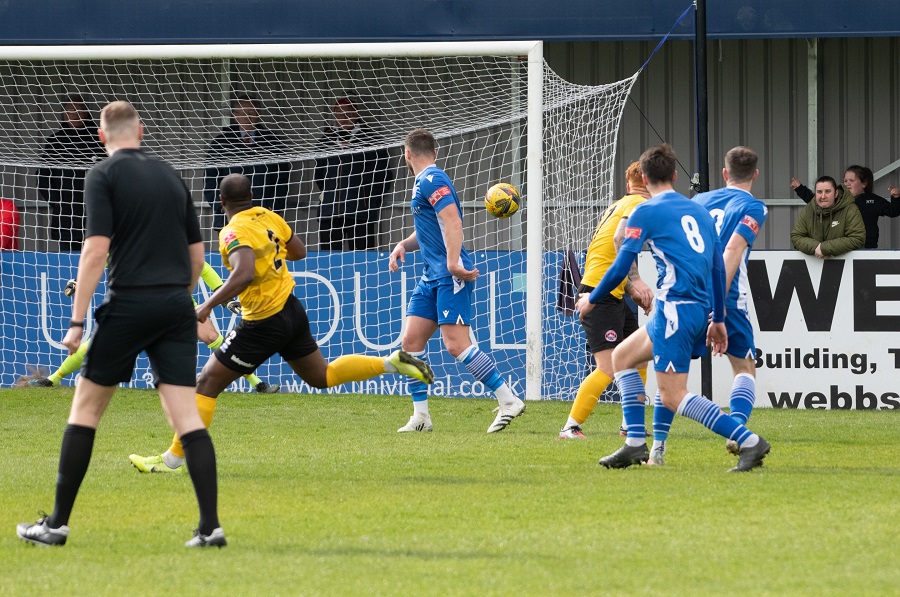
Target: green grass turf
{"type": "Point", "coordinates": [320, 496]}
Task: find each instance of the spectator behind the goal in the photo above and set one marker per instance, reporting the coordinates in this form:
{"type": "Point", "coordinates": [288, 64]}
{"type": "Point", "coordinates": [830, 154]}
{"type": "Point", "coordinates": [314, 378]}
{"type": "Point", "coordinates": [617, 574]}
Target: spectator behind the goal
{"type": "Point", "coordinates": [353, 182]}
{"type": "Point", "coordinates": [858, 183]}
{"type": "Point", "coordinates": [60, 183]}
{"type": "Point", "coordinates": [9, 225]}
{"type": "Point", "coordinates": [829, 226]}
{"type": "Point", "coordinates": [245, 140]}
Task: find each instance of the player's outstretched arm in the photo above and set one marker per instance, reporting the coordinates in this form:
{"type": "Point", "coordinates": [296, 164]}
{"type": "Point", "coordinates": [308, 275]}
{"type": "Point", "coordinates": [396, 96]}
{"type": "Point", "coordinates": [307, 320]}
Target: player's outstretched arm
{"type": "Point", "coordinates": [210, 277]}
{"type": "Point", "coordinates": [243, 268]}
{"type": "Point", "coordinates": [612, 278]}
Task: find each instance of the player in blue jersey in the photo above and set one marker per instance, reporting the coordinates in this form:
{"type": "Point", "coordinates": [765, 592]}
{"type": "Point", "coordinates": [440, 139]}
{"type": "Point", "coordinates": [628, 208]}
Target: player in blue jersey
{"type": "Point", "coordinates": [443, 297]}
{"type": "Point", "coordinates": [683, 241]}
{"type": "Point", "coordinates": [739, 217]}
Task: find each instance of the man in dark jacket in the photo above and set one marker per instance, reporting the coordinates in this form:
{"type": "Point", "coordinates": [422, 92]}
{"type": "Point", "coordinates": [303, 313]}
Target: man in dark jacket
{"type": "Point", "coordinates": [245, 140]}
{"type": "Point", "coordinates": [829, 226]}
{"type": "Point", "coordinates": [60, 183]}
{"type": "Point", "coordinates": [353, 182]}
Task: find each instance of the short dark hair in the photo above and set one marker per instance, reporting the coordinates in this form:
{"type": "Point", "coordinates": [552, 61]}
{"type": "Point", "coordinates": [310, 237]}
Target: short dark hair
{"type": "Point", "coordinates": [74, 99]}
{"type": "Point", "coordinates": [235, 188]}
{"type": "Point", "coordinates": [828, 179]}
{"type": "Point", "coordinates": [420, 142]}
{"type": "Point", "coordinates": [658, 164]}
{"type": "Point", "coordinates": [240, 100]}
{"type": "Point", "coordinates": [740, 162]}
{"type": "Point", "coordinates": [864, 175]}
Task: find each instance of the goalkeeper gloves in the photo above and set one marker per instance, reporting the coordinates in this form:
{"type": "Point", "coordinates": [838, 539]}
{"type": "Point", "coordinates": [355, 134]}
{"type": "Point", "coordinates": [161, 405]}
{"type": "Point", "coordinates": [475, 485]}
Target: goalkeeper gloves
{"type": "Point", "coordinates": [234, 306]}
{"type": "Point", "coordinates": [69, 290]}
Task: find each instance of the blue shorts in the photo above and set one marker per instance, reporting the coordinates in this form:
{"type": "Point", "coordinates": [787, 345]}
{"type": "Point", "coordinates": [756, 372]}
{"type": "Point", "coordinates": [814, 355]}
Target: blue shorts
{"type": "Point", "coordinates": [448, 300]}
{"type": "Point", "coordinates": [677, 330]}
{"type": "Point", "coordinates": [740, 333]}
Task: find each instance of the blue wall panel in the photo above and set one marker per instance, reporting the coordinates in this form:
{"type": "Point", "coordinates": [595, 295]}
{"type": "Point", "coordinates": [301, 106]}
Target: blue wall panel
{"type": "Point", "coordinates": [231, 21]}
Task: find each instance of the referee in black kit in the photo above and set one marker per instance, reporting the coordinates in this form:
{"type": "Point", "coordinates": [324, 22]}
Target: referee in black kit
{"type": "Point", "coordinates": [140, 213]}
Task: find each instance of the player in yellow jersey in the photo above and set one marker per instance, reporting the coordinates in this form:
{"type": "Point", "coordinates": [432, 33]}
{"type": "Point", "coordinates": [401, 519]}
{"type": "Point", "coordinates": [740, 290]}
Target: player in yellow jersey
{"type": "Point", "coordinates": [254, 245]}
{"type": "Point", "coordinates": [206, 333]}
{"type": "Point", "coordinates": [611, 321]}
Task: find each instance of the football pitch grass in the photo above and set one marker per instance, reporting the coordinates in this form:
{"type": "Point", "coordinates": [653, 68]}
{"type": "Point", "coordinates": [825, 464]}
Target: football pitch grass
{"type": "Point", "coordinates": [319, 495]}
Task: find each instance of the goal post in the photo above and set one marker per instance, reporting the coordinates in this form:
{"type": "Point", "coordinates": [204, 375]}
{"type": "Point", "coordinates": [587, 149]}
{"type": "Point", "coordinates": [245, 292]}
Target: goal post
{"type": "Point", "coordinates": [499, 114]}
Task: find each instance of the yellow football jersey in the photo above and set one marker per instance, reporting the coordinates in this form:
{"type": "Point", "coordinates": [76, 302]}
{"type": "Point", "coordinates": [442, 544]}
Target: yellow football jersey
{"type": "Point", "coordinates": [602, 251]}
{"type": "Point", "coordinates": [266, 233]}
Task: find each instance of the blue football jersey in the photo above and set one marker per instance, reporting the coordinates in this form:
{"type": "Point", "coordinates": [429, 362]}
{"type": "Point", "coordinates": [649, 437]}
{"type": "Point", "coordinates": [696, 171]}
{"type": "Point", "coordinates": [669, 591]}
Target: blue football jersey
{"type": "Point", "coordinates": [735, 211]}
{"type": "Point", "coordinates": [682, 239]}
{"type": "Point", "coordinates": [432, 193]}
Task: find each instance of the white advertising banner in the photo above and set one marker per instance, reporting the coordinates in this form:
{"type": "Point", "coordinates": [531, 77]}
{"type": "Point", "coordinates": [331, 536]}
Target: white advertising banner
{"type": "Point", "coordinates": [826, 331]}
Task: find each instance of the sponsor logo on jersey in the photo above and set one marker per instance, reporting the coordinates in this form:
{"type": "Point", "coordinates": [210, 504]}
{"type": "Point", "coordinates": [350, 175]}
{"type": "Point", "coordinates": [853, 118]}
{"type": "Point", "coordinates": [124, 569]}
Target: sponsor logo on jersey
{"type": "Point", "coordinates": [632, 232]}
{"type": "Point", "coordinates": [751, 223]}
{"type": "Point", "coordinates": [229, 237]}
{"type": "Point", "coordinates": [611, 336]}
{"type": "Point", "coordinates": [430, 178]}
{"type": "Point", "coordinates": [436, 196]}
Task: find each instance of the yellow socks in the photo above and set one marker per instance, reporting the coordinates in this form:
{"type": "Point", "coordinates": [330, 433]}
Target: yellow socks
{"type": "Point", "coordinates": [353, 367]}
{"type": "Point", "coordinates": [207, 407]}
{"type": "Point", "coordinates": [588, 393]}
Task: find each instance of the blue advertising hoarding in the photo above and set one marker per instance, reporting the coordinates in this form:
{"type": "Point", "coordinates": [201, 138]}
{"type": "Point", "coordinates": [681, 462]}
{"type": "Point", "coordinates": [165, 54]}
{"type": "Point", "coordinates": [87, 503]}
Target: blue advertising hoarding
{"type": "Point", "coordinates": [355, 305]}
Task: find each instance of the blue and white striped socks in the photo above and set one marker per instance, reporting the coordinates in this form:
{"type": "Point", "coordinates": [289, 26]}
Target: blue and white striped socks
{"type": "Point", "coordinates": [419, 390]}
{"type": "Point", "coordinates": [662, 419]}
{"type": "Point", "coordinates": [708, 414]}
{"type": "Point", "coordinates": [743, 396]}
{"type": "Point", "coordinates": [482, 368]}
{"type": "Point", "coordinates": [631, 386]}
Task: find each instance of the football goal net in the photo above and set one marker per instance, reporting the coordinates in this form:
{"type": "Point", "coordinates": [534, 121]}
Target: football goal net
{"type": "Point", "coordinates": [319, 130]}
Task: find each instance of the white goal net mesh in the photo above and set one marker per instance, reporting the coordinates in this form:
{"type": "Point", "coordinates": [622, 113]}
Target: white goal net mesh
{"type": "Point", "coordinates": [323, 150]}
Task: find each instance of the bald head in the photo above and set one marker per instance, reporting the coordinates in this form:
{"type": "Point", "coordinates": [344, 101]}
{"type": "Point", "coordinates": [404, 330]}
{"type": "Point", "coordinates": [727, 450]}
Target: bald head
{"type": "Point", "coordinates": [236, 188]}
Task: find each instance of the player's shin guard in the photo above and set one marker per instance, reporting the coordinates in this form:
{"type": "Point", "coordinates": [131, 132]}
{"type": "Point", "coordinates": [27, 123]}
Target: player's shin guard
{"type": "Point", "coordinates": [708, 414]}
{"type": "Point", "coordinates": [631, 388]}
{"type": "Point", "coordinates": [662, 419]}
{"type": "Point", "coordinates": [588, 393]}
{"type": "Point", "coordinates": [206, 406]}
{"type": "Point", "coordinates": [743, 396]}
{"type": "Point", "coordinates": [353, 367]}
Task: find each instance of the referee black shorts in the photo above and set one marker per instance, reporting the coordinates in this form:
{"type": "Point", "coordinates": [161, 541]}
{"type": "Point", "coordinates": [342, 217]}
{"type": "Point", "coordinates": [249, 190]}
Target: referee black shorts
{"type": "Point", "coordinates": [160, 321]}
{"type": "Point", "coordinates": [608, 323]}
{"type": "Point", "coordinates": [251, 343]}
